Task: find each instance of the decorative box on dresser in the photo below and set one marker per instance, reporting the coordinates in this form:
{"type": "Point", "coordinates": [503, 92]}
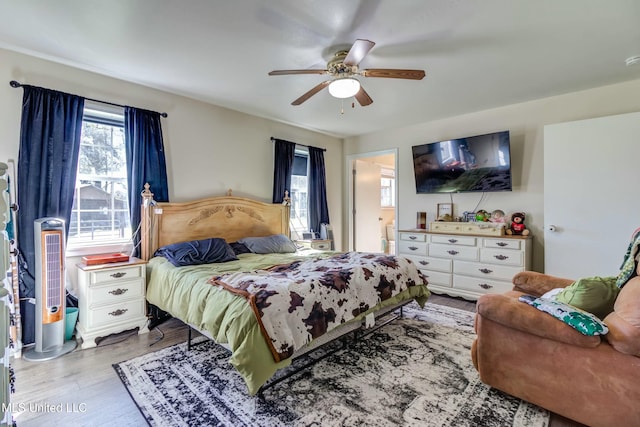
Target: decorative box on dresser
{"type": "Point", "coordinates": [111, 299]}
{"type": "Point", "coordinates": [466, 265]}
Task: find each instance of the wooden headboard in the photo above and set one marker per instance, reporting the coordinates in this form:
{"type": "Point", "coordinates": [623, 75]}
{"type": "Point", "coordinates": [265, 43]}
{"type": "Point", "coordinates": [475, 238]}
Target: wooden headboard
{"type": "Point", "coordinates": [229, 217]}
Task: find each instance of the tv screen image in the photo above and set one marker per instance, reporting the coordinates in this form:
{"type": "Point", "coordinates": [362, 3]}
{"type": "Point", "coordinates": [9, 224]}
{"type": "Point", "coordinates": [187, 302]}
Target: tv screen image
{"type": "Point", "coordinates": [477, 163]}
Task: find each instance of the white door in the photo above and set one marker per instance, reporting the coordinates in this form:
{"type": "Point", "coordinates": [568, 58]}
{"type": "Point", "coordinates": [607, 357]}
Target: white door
{"type": "Point", "coordinates": [366, 190]}
{"type": "Point", "coordinates": [591, 196]}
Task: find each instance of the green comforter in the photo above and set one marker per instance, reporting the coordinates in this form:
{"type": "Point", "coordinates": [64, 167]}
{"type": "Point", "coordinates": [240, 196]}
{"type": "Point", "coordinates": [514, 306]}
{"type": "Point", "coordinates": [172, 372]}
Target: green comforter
{"type": "Point", "coordinates": [228, 318]}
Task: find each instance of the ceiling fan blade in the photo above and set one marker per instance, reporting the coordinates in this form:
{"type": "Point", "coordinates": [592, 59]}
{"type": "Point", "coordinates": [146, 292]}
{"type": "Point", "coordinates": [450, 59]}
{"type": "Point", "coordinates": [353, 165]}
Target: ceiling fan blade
{"type": "Point", "coordinates": [393, 73]}
{"type": "Point", "coordinates": [358, 51]}
{"type": "Point", "coordinates": [287, 72]}
{"type": "Point", "coordinates": [363, 97]}
{"type": "Point", "coordinates": [317, 88]}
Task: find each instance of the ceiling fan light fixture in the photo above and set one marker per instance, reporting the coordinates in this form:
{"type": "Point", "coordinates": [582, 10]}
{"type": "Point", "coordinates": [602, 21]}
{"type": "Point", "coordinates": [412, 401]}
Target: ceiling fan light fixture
{"type": "Point", "coordinates": [344, 88]}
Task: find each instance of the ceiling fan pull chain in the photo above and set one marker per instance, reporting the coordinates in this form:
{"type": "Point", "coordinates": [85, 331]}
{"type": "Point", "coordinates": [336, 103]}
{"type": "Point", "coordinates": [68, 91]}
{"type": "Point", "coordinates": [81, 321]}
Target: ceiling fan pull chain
{"type": "Point", "coordinates": [342, 106]}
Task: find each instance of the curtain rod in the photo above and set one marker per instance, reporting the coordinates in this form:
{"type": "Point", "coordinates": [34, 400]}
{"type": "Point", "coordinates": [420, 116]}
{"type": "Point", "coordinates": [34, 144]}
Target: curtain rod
{"type": "Point", "coordinates": [16, 84]}
{"type": "Point", "coordinates": [311, 146]}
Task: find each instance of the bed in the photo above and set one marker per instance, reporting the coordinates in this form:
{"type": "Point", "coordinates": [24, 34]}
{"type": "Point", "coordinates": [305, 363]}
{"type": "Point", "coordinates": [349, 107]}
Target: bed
{"type": "Point", "coordinates": [216, 299]}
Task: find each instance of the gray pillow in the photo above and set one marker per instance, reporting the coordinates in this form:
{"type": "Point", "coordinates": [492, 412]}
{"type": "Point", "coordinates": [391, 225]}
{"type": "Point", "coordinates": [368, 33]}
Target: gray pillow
{"type": "Point", "coordinates": [275, 244]}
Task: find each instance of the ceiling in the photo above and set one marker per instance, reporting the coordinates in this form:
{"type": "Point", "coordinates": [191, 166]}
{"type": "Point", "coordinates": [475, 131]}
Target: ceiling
{"type": "Point", "coordinates": [477, 54]}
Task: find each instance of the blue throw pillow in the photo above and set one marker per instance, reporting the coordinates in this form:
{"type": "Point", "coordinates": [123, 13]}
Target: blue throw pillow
{"type": "Point", "coordinates": [275, 244]}
{"type": "Point", "coordinates": [196, 252]}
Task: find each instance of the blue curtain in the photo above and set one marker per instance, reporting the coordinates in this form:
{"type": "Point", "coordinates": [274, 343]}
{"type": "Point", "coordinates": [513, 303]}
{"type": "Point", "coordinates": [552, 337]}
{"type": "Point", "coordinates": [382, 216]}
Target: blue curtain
{"type": "Point", "coordinates": [47, 166]}
{"type": "Point", "coordinates": [318, 208]}
{"type": "Point", "coordinates": [145, 162]}
{"type": "Point", "coordinates": [284, 152]}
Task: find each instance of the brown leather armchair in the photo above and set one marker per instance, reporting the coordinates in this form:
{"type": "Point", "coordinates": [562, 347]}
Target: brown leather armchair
{"type": "Point", "coordinates": [533, 356]}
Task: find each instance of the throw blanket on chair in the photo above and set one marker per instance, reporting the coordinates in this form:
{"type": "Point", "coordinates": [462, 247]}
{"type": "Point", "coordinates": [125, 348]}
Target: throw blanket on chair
{"type": "Point", "coordinates": [629, 264]}
{"type": "Point", "coordinates": [300, 301]}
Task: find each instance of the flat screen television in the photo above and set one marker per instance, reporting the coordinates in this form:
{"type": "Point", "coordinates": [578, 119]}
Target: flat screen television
{"type": "Point", "coordinates": [473, 164]}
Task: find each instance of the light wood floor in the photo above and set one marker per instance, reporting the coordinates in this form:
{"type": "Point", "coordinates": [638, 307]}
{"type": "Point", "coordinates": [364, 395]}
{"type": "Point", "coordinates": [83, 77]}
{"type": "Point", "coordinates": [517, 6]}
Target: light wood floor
{"type": "Point", "coordinates": [82, 389]}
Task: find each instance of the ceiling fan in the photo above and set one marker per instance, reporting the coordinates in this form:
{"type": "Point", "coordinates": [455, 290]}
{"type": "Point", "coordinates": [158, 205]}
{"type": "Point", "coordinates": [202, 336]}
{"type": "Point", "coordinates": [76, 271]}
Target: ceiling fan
{"type": "Point", "coordinates": [343, 67]}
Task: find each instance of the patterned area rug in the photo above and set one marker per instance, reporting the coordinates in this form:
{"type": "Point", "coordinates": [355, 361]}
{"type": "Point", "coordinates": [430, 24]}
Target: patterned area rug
{"type": "Point", "coordinates": [416, 371]}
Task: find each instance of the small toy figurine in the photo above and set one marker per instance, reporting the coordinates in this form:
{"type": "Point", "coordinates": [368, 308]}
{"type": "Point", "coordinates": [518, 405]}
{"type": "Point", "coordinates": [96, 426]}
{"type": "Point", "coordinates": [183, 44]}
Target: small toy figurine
{"type": "Point", "coordinates": [517, 225]}
{"type": "Point", "coordinates": [482, 215]}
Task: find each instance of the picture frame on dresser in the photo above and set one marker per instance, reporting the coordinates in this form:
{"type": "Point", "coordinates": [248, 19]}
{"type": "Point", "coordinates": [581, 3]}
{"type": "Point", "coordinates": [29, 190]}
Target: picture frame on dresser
{"type": "Point", "coordinates": [444, 209]}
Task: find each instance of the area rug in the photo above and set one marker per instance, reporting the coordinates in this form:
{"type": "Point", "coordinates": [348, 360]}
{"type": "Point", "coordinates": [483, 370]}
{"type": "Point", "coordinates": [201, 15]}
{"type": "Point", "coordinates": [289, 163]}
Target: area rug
{"type": "Point", "coordinates": [415, 371]}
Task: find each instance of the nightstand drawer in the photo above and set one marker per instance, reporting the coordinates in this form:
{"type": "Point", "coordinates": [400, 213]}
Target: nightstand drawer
{"type": "Point", "coordinates": [115, 293]}
{"type": "Point", "coordinates": [114, 313]}
{"type": "Point", "coordinates": [107, 275]}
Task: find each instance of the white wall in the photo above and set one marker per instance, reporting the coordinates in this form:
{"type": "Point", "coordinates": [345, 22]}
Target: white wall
{"type": "Point", "coordinates": [526, 122]}
{"type": "Point", "coordinates": [209, 149]}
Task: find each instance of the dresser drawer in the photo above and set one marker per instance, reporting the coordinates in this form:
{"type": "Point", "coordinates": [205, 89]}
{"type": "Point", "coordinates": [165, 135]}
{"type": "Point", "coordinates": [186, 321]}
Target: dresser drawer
{"type": "Point", "coordinates": [491, 271]}
{"type": "Point", "coordinates": [466, 253]}
{"type": "Point", "coordinates": [454, 240]}
{"type": "Point", "coordinates": [432, 264]}
{"type": "Point", "coordinates": [107, 275]}
{"type": "Point", "coordinates": [417, 248]}
{"type": "Point", "coordinates": [502, 243]}
{"type": "Point", "coordinates": [115, 293]}
{"type": "Point", "coordinates": [114, 313]}
{"type": "Point", "coordinates": [413, 237]}
{"type": "Point", "coordinates": [481, 286]}
{"type": "Point", "coordinates": [437, 278]}
{"type": "Point", "coordinates": [502, 256]}
{"type": "Point", "coordinates": [322, 246]}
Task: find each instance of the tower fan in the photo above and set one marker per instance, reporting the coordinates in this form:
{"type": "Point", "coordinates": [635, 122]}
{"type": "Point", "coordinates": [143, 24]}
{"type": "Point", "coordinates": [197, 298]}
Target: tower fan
{"type": "Point", "coordinates": [49, 235]}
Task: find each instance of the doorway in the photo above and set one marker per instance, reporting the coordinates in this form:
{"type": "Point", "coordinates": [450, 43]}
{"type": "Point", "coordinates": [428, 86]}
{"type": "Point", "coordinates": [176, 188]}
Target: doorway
{"type": "Point", "coordinates": [372, 200]}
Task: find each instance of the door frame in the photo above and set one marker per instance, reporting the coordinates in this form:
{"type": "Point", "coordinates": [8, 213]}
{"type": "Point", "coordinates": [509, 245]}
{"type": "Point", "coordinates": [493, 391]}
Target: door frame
{"type": "Point", "coordinates": [351, 220]}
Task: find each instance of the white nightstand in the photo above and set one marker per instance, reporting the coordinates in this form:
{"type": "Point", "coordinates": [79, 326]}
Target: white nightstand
{"type": "Point", "coordinates": [111, 299]}
{"type": "Point", "coordinates": [323, 245]}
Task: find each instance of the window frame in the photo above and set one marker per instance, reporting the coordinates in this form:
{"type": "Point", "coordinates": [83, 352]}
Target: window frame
{"type": "Point", "coordinates": [111, 116]}
{"type": "Point", "coordinates": [296, 233]}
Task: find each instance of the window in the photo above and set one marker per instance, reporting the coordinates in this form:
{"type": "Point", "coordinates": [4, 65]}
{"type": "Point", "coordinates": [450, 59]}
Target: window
{"type": "Point", "coordinates": [100, 213]}
{"type": "Point", "coordinates": [299, 220]}
{"type": "Point", "coordinates": [387, 188]}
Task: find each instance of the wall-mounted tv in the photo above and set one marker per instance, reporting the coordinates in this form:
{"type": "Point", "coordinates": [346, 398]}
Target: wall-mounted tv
{"type": "Point", "coordinates": [475, 163]}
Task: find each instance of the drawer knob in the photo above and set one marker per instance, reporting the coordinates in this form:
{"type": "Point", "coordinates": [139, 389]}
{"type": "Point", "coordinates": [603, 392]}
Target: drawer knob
{"type": "Point", "coordinates": [485, 270]}
{"type": "Point", "coordinates": [452, 252]}
{"type": "Point", "coordinates": [501, 257]}
{"type": "Point", "coordinates": [119, 312]}
{"type": "Point", "coordinates": [412, 237]}
{"type": "Point", "coordinates": [453, 240]}
{"type": "Point", "coordinates": [118, 291]}
{"type": "Point", "coordinates": [118, 275]}
{"type": "Point", "coordinates": [502, 244]}
{"type": "Point", "coordinates": [424, 262]}
{"type": "Point", "coordinates": [413, 248]}
{"type": "Point", "coordinates": [485, 286]}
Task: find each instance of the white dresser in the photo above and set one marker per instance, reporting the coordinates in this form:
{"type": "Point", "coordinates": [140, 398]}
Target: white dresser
{"type": "Point", "coordinates": [466, 265]}
{"type": "Point", "coordinates": [111, 299]}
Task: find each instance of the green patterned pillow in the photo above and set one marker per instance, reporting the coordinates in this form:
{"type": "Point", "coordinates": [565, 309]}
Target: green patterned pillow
{"type": "Point", "coordinates": [581, 321]}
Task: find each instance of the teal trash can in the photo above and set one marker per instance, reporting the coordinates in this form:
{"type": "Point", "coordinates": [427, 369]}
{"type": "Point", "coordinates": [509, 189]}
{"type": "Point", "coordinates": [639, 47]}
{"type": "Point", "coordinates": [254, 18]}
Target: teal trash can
{"type": "Point", "coordinates": [70, 319]}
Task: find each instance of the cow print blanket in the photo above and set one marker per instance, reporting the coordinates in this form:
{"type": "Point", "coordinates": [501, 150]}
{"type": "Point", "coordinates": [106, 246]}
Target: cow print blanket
{"type": "Point", "coordinates": [298, 302]}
